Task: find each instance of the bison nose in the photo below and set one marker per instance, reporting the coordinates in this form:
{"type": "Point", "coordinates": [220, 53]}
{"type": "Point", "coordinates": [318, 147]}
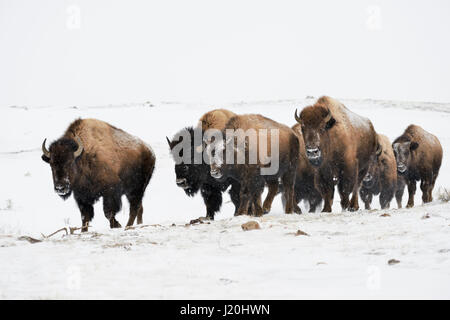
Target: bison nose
{"type": "Point", "coordinates": [368, 177]}
{"type": "Point", "coordinates": [215, 173]}
{"type": "Point", "coordinates": [313, 152]}
{"type": "Point", "coordinates": [181, 182]}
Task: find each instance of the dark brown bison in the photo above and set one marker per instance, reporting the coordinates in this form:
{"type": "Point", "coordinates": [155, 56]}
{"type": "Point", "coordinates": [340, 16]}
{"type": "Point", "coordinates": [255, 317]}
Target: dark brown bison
{"type": "Point", "coordinates": [381, 177]}
{"type": "Point", "coordinates": [418, 154]}
{"type": "Point", "coordinates": [191, 176]}
{"type": "Point", "coordinates": [94, 159]}
{"type": "Point", "coordinates": [256, 167]}
{"type": "Point", "coordinates": [304, 180]}
{"type": "Point", "coordinates": [338, 144]}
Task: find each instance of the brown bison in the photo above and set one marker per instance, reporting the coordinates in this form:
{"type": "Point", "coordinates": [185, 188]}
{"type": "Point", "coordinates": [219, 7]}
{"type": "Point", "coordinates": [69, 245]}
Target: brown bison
{"type": "Point", "coordinates": [338, 144]}
{"type": "Point", "coordinates": [268, 166]}
{"type": "Point", "coordinates": [215, 119]}
{"type": "Point", "coordinates": [94, 159]}
{"type": "Point", "coordinates": [304, 180]}
{"type": "Point", "coordinates": [381, 177]}
{"type": "Point", "coordinates": [418, 154]}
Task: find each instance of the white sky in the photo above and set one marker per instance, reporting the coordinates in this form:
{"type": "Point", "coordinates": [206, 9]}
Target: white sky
{"type": "Point", "coordinates": [210, 51]}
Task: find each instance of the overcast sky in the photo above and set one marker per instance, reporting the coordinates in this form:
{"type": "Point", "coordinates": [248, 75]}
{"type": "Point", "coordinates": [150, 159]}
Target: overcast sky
{"type": "Point", "coordinates": [85, 52]}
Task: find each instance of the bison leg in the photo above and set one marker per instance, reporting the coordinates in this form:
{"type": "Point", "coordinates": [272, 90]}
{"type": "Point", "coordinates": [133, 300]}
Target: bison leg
{"type": "Point", "coordinates": [399, 192]}
{"type": "Point", "coordinates": [425, 186]}
{"type": "Point", "coordinates": [354, 202]}
{"type": "Point", "coordinates": [244, 201]}
{"type": "Point", "coordinates": [314, 200]}
{"type": "Point", "coordinates": [386, 195]}
{"type": "Point", "coordinates": [412, 192]}
{"type": "Point", "coordinates": [366, 197]}
{"type": "Point", "coordinates": [136, 210]}
{"type": "Point", "coordinates": [273, 190]}
{"type": "Point", "coordinates": [234, 195]}
{"type": "Point", "coordinates": [111, 205]}
{"type": "Point", "coordinates": [288, 188]}
{"type": "Point", "coordinates": [256, 206]}
{"type": "Point", "coordinates": [323, 181]}
{"type": "Point", "coordinates": [212, 197]}
{"type": "Point", "coordinates": [87, 213]}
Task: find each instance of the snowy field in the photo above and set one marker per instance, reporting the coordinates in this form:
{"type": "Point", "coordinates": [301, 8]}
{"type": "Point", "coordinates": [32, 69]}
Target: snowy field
{"type": "Point", "coordinates": [344, 255]}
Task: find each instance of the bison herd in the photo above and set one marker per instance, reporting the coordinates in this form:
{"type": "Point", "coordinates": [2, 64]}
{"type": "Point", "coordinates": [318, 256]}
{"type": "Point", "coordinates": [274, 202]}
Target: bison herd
{"type": "Point", "coordinates": [328, 146]}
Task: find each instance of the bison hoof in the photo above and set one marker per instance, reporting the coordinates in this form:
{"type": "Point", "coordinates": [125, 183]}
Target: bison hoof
{"type": "Point", "coordinates": [266, 210]}
{"type": "Point", "coordinates": [353, 209]}
{"type": "Point", "coordinates": [409, 205]}
{"type": "Point", "coordinates": [114, 224]}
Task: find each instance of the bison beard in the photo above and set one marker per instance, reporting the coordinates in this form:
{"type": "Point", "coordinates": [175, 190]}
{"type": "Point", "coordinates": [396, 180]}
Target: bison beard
{"type": "Point", "coordinates": [94, 159]}
{"type": "Point", "coordinates": [329, 130]}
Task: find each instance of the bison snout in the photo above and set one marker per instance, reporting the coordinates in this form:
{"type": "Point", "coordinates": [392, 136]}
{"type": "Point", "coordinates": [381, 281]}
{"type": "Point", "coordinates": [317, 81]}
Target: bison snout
{"type": "Point", "coordinates": [313, 152]}
{"type": "Point", "coordinates": [368, 177]}
{"type": "Point", "coordinates": [215, 173]}
{"type": "Point", "coordinates": [401, 167]}
{"type": "Point", "coordinates": [182, 183]}
{"type": "Point", "coordinates": [62, 189]}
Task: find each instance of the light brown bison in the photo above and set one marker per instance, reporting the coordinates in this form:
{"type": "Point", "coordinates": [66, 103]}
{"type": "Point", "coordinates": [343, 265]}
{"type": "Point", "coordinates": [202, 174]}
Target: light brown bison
{"type": "Point", "coordinates": [338, 144]}
{"type": "Point", "coordinates": [93, 159]}
{"type": "Point", "coordinates": [381, 177]}
{"type": "Point", "coordinates": [250, 174]}
{"type": "Point", "coordinates": [215, 119]}
{"type": "Point", "coordinates": [419, 156]}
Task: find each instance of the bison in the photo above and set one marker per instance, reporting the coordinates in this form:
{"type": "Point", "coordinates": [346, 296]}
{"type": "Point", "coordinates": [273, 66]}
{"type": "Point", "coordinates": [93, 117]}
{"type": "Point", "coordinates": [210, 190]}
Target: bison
{"type": "Point", "coordinates": [191, 176]}
{"type": "Point", "coordinates": [418, 155]}
{"type": "Point", "coordinates": [94, 159]}
{"type": "Point", "coordinates": [381, 177]}
{"type": "Point", "coordinates": [250, 174]}
{"type": "Point", "coordinates": [338, 144]}
{"type": "Point", "coordinates": [304, 188]}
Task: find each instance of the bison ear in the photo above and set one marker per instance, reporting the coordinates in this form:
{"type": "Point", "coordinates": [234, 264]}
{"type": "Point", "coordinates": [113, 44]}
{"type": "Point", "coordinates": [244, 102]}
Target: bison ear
{"type": "Point", "coordinates": [330, 123]}
{"type": "Point", "coordinates": [413, 146]}
{"type": "Point", "coordinates": [45, 158]}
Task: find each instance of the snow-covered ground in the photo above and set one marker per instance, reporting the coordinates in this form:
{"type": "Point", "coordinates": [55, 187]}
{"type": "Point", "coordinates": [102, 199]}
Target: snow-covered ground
{"type": "Point", "coordinates": [345, 255]}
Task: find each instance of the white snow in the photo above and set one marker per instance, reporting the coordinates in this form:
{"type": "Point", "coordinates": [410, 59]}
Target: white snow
{"type": "Point", "coordinates": [345, 255]}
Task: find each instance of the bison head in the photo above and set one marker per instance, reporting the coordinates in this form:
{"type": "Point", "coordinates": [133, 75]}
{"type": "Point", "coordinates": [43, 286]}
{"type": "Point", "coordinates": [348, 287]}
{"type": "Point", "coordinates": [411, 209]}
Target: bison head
{"type": "Point", "coordinates": [315, 123]}
{"type": "Point", "coordinates": [189, 175]}
{"type": "Point", "coordinates": [373, 168]}
{"type": "Point", "coordinates": [216, 152]}
{"type": "Point", "coordinates": [403, 151]}
{"type": "Point", "coordinates": [62, 157]}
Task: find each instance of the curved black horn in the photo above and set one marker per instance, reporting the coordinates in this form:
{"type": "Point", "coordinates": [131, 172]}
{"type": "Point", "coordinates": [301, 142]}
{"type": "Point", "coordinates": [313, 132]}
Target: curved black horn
{"type": "Point", "coordinates": [297, 118]}
{"type": "Point", "coordinates": [44, 149]}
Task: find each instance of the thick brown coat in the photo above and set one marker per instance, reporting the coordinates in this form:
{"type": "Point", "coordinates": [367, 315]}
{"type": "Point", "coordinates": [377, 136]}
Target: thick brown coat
{"type": "Point", "coordinates": [339, 144]}
{"type": "Point", "coordinates": [215, 119]}
{"type": "Point", "coordinates": [112, 163]}
{"type": "Point", "coordinates": [418, 155]}
{"type": "Point", "coordinates": [249, 175]}
{"type": "Point", "coordinates": [381, 177]}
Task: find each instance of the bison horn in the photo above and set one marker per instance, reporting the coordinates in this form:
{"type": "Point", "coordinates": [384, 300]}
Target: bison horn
{"type": "Point", "coordinates": [44, 149]}
{"type": "Point", "coordinates": [77, 153]}
{"type": "Point", "coordinates": [168, 141]}
{"type": "Point", "coordinates": [328, 117]}
{"type": "Point", "coordinates": [378, 152]}
{"type": "Point", "coordinates": [297, 118]}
